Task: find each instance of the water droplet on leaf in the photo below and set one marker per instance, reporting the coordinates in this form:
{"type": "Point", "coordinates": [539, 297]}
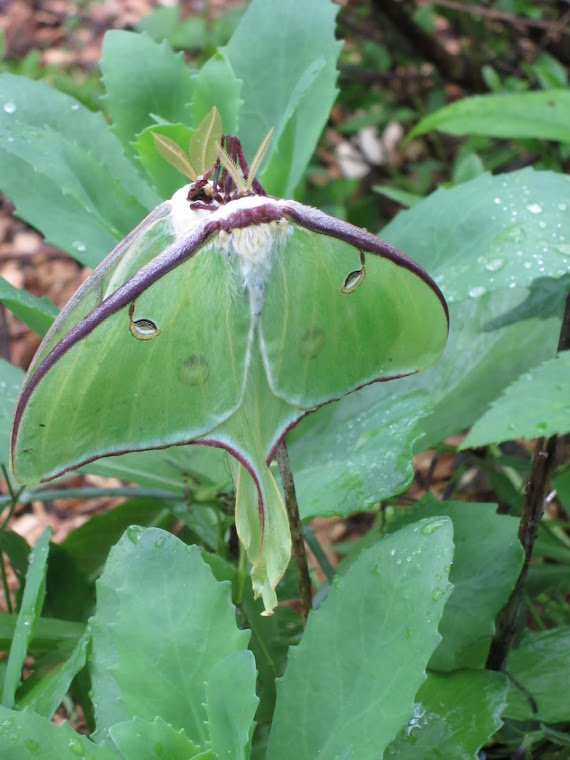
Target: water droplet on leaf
{"type": "Point", "coordinates": [10, 107]}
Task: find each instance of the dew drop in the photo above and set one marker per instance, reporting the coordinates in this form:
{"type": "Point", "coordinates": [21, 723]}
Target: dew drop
{"type": "Point", "coordinates": [75, 746]}
{"type": "Point", "coordinates": [10, 107]}
{"type": "Point", "coordinates": [436, 595]}
{"type": "Point", "coordinates": [431, 527]}
{"type": "Point", "coordinates": [562, 206]}
{"type": "Point", "coordinates": [494, 265]}
{"type": "Point", "coordinates": [476, 291]}
{"type": "Point", "coordinates": [498, 201]}
{"type": "Point", "coordinates": [78, 246]}
{"type": "Point", "coordinates": [75, 107]}
{"type": "Point", "coordinates": [527, 264]}
{"type": "Point", "coordinates": [159, 543]}
{"type": "Point", "coordinates": [134, 532]}
{"type": "Point", "coordinates": [534, 208]}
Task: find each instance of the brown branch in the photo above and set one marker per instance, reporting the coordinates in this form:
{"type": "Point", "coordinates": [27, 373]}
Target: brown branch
{"type": "Point", "coordinates": [520, 22]}
{"type": "Point", "coordinates": [534, 502]}
{"type": "Point", "coordinates": [458, 68]}
{"type": "Point", "coordinates": [298, 543]}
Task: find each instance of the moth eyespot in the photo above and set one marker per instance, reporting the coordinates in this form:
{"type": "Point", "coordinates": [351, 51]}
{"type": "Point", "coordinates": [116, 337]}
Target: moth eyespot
{"type": "Point", "coordinates": [312, 342]}
{"type": "Point", "coordinates": [194, 370]}
{"type": "Point", "coordinates": [353, 280]}
{"type": "Point", "coordinates": [143, 329]}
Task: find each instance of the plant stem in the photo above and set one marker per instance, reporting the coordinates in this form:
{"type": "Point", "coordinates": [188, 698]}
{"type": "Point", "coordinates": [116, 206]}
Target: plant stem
{"type": "Point", "coordinates": [298, 543]}
{"type": "Point", "coordinates": [534, 502]}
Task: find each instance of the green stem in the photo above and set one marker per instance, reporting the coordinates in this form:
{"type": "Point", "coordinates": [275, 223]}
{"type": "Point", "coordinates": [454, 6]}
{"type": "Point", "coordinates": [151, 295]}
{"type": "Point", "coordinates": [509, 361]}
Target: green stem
{"type": "Point", "coordinates": [298, 543]}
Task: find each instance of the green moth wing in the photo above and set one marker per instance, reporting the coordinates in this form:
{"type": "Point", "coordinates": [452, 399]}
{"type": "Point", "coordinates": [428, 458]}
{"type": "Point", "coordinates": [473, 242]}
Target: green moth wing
{"type": "Point", "coordinates": [222, 319]}
{"type": "Point", "coordinates": [344, 309]}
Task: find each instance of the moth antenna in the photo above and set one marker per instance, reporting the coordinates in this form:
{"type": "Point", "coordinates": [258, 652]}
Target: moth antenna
{"type": "Point", "coordinates": [258, 158]}
{"type": "Point", "coordinates": [231, 168]}
{"type": "Point", "coordinates": [202, 146]}
{"type": "Point", "coordinates": [174, 154]}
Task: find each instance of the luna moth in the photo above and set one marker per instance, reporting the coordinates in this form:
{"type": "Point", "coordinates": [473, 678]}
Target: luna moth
{"type": "Point", "coordinates": [222, 319]}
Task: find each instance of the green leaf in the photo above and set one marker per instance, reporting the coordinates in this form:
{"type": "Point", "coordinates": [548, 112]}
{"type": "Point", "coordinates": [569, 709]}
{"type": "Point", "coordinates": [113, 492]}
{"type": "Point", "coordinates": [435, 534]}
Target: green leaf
{"type": "Point", "coordinates": [10, 381]}
{"type": "Point", "coordinates": [87, 195]}
{"type": "Point", "coordinates": [26, 736]}
{"type": "Point", "coordinates": [164, 177]}
{"type": "Point", "coordinates": [454, 715]}
{"type": "Point", "coordinates": [230, 704]}
{"type": "Point", "coordinates": [51, 688]}
{"type": "Point", "coordinates": [349, 685]}
{"type": "Point", "coordinates": [541, 115]}
{"type": "Point", "coordinates": [90, 544]}
{"type": "Point", "coordinates": [140, 739]}
{"type": "Point", "coordinates": [351, 454]}
{"type": "Point", "coordinates": [30, 609]}
{"type": "Point", "coordinates": [490, 233]}
{"type": "Point", "coordinates": [536, 404]}
{"type": "Point", "coordinates": [403, 197]}
{"type": "Point", "coordinates": [487, 561]}
{"type": "Point", "coordinates": [540, 665]}
{"type": "Point", "coordinates": [47, 635]}
{"type": "Point", "coordinates": [143, 80]}
{"type": "Point", "coordinates": [217, 85]}
{"type": "Point", "coordinates": [36, 313]}
{"type": "Point", "coordinates": [153, 600]}
{"type": "Point", "coordinates": [493, 339]}
{"type": "Point", "coordinates": [285, 54]}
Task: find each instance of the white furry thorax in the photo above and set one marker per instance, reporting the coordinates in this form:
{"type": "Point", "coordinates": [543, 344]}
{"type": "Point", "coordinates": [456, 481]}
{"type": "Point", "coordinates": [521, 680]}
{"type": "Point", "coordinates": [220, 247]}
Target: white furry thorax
{"type": "Point", "coordinates": [254, 246]}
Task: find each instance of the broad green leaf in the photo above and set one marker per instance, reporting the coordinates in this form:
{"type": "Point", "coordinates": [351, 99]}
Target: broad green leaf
{"type": "Point", "coordinates": [487, 561]}
{"type": "Point", "coordinates": [490, 233]}
{"type": "Point", "coordinates": [30, 609]}
{"type": "Point", "coordinates": [87, 195]}
{"type": "Point", "coordinates": [542, 115]}
{"type": "Point", "coordinates": [89, 545]}
{"type": "Point", "coordinates": [217, 85]}
{"type": "Point", "coordinates": [10, 381]}
{"type": "Point", "coordinates": [51, 688]}
{"type": "Point", "coordinates": [356, 452]}
{"type": "Point", "coordinates": [164, 177]}
{"type": "Point", "coordinates": [274, 51]}
{"type": "Point", "coordinates": [26, 736]}
{"type": "Point", "coordinates": [144, 81]}
{"type": "Point", "coordinates": [36, 313]}
{"type": "Point", "coordinates": [536, 404]}
{"type": "Point", "coordinates": [541, 666]}
{"type": "Point", "coordinates": [230, 704]}
{"type": "Point", "coordinates": [349, 685]}
{"type": "Point", "coordinates": [454, 715]}
{"type": "Point", "coordinates": [139, 739]}
{"type": "Point", "coordinates": [493, 339]}
{"type": "Point", "coordinates": [150, 654]}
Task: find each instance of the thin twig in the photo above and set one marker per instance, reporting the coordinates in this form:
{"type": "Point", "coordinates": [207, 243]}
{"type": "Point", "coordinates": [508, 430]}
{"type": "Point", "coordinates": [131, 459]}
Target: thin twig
{"type": "Point", "coordinates": [298, 543]}
{"type": "Point", "coordinates": [534, 502]}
